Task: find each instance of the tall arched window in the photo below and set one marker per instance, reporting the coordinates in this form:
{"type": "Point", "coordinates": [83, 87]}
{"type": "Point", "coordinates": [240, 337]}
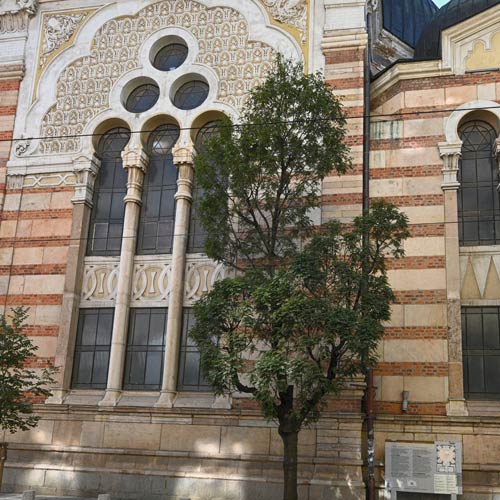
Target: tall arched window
{"type": "Point", "coordinates": [197, 233]}
{"type": "Point", "coordinates": [106, 220]}
{"type": "Point", "coordinates": [156, 226]}
{"type": "Point", "coordinates": [478, 198]}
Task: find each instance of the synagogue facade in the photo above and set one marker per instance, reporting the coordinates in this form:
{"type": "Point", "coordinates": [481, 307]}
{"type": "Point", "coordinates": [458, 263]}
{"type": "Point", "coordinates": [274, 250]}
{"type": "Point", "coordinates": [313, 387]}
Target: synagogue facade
{"type": "Point", "coordinates": [103, 105]}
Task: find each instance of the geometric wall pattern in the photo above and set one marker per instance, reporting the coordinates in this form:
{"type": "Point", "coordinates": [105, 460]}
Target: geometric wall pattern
{"type": "Point", "coordinates": [480, 276]}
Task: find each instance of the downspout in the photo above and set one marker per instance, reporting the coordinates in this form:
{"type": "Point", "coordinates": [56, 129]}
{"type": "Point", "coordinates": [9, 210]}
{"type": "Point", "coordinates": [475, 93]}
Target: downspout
{"type": "Point", "coordinates": [369, 395]}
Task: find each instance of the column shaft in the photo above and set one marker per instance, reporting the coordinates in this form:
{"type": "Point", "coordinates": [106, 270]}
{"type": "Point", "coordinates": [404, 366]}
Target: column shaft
{"type": "Point", "coordinates": [174, 323]}
{"type": "Point", "coordinates": [86, 171]}
{"type": "Point", "coordinates": [135, 162]}
{"type": "Point", "coordinates": [450, 153]}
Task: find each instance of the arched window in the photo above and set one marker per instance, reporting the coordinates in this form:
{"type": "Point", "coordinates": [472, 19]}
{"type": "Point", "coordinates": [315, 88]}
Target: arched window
{"type": "Point", "coordinates": [478, 198]}
{"type": "Point", "coordinates": [106, 220]}
{"type": "Point", "coordinates": [156, 226]}
{"type": "Point", "coordinates": [197, 233]}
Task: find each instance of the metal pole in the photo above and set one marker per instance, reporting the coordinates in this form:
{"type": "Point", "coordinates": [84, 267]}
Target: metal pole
{"type": "Point", "coordinates": [370, 433]}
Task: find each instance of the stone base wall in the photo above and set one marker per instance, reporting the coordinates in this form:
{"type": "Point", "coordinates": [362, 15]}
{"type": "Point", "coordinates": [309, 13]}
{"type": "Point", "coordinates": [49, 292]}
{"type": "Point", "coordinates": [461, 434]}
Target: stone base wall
{"type": "Point", "coordinates": [139, 453]}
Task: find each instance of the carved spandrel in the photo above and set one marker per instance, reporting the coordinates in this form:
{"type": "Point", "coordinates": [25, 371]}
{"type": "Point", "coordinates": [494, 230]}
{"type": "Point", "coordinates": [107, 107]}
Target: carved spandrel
{"type": "Point", "coordinates": [290, 12]}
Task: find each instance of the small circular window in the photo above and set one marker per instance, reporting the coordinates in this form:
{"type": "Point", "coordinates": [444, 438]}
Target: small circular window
{"type": "Point", "coordinates": [170, 57]}
{"type": "Point", "coordinates": [142, 98]}
{"type": "Point", "coordinates": [191, 94]}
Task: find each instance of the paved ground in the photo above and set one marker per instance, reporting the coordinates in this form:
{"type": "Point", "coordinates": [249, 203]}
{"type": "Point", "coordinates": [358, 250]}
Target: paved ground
{"type": "Point", "coordinates": [16, 496]}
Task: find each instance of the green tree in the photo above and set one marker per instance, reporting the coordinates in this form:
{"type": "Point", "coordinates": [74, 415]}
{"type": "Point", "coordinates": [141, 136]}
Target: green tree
{"type": "Point", "coordinates": [291, 327]}
{"type": "Point", "coordinates": [20, 387]}
{"type": "Point", "coordinates": [262, 177]}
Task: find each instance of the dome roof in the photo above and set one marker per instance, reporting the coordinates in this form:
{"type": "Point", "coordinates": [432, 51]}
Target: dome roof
{"type": "Point", "coordinates": [454, 12]}
{"type": "Point", "coordinates": [407, 18]}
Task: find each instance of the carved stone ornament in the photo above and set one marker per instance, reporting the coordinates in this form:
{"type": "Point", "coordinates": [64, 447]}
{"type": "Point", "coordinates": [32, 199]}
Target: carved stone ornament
{"type": "Point", "coordinates": [58, 30]}
{"type": "Point", "coordinates": [14, 16]}
{"type": "Point", "coordinates": [222, 34]}
{"type": "Point", "coordinates": [372, 5]}
{"type": "Point", "coordinates": [151, 280]}
{"type": "Point", "coordinates": [450, 153]}
{"type": "Point", "coordinates": [291, 12]}
{"type": "Point", "coordinates": [29, 6]}
{"type": "Point", "coordinates": [85, 170]}
{"type": "Point", "coordinates": [22, 145]}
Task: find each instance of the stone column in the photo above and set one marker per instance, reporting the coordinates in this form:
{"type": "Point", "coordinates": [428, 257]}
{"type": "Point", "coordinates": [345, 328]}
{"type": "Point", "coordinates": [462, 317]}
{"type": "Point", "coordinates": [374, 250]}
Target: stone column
{"type": "Point", "coordinates": [183, 159]}
{"type": "Point", "coordinates": [497, 156]}
{"type": "Point", "coordinates": [135, 161]}
{"type": "Point", "coordinates": [451, 153]}
{"type": "Point", "coordinates": [85, 169]}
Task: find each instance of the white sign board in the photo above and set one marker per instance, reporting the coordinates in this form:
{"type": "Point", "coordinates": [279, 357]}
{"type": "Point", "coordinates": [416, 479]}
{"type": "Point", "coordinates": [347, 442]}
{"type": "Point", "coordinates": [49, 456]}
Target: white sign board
{"type": "Point", "coordinates": [424, 467]}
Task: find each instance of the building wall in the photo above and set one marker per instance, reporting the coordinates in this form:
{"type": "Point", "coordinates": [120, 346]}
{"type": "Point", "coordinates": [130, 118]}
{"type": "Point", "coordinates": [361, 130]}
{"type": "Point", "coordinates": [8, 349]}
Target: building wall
{"type": "Point", "coordinates": [417, 109]}
{"type": "Point", "coordinates": [195, 446]}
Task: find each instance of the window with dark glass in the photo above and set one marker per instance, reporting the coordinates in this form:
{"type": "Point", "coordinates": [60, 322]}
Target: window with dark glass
{"type": "Point", "coordinates": [106, 220]}
{"type": "Point", "coordinates": [481, 352]}
{"type": "Point", "coordinates": [93, 344]}
{"type": "Point", "coordinates": [191, 94]}
{"type": "Point", "coordinates": [145, 349]}
{"type": "Point", "coordinates": [156, 226]}
{"type": "Point", "coordinates": [142, 98]}
{"type": "Point", "coordinates": [478, 198]}
{"type": "Point", "coordinates": [170, 57]}
{"type": "Point", "coordinates": [197, 233]}
{"type": "Point", "coordinates": [191, 377]}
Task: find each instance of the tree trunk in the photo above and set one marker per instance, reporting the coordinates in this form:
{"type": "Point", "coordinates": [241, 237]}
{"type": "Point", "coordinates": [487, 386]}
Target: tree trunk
{"type": "Point", "coordinates": [290, 450]}
{"type": "Point", "coordinates": [3, 458]}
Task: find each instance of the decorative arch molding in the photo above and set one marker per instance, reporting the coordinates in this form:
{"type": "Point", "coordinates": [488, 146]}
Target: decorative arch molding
{"type": "Point", "coordinates": [247, 32]}
{"type": "Point", "coordinates": [450, 151]}
{"type": "Point", "coordinates": [454, 120]}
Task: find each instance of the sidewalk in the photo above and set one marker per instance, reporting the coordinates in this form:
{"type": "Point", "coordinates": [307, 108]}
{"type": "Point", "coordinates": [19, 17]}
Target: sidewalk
{"type": "Point", "coordinates": [18, 496]}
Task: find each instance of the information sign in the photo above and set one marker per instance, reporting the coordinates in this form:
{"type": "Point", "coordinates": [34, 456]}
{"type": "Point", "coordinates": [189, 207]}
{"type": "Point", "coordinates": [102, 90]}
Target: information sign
{"type": "Point", "coordinates": [424, 467]}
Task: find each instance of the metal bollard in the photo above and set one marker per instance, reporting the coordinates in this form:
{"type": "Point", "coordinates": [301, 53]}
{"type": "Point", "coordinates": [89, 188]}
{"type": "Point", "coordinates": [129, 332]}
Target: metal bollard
{"type": "Point", "coordinates": [29, 495]}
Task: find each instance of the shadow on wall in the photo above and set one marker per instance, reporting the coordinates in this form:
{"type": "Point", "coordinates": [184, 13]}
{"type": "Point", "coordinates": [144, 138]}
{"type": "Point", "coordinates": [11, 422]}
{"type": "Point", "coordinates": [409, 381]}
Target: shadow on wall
{"type": "Point", "coordinates": [151, 487]}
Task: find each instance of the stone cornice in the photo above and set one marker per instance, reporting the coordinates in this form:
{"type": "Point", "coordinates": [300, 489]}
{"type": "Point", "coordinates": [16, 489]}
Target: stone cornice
{"type": "Point", "coordinates": [407, 71]}
{"type": "Point", "coordinates": [344, 39]}
{"type": "Point", "coordinates": [11, 72]}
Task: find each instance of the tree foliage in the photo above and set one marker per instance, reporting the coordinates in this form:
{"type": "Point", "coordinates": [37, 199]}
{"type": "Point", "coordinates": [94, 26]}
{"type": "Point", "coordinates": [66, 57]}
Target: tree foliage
{"type": "Point", "coordinates": [19, 386]}
{"type": "Point", "coordinates": [262, 177]}
{"type": "Point", "coordinates": [291, 338]}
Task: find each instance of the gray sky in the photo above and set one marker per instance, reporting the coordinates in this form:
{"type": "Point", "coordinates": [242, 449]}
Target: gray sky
{"type": "Point", "coordinates": [440, 3]}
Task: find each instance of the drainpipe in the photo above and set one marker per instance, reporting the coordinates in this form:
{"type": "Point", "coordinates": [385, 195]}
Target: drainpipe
{"type": "Point", "coordinates": [369, 395]}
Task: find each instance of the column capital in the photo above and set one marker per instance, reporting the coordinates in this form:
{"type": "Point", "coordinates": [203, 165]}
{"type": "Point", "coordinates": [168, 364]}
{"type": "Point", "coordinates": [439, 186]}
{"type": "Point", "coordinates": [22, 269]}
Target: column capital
{"type": "Point", "coordinates": [496, 148]}
{"type": "Point", "coordinates": [135, 161]}
{"type": "Point", "coordinates": [184, 160]}
{"type": "Point", "coordinates": [450, 153]}
{"type": "Point", "coordinates": [135, 157]}
{"type": "Point", "coordinates": [183, 155]}
{"type": "Point", "coordinates": [85, 169]}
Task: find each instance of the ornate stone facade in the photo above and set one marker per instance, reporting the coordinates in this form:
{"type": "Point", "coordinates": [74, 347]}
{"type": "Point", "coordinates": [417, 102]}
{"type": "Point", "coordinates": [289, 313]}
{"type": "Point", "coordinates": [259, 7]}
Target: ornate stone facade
{"type": "Point", "coordinates": [223, 45]}
{"type": "Point", "coordinates": [81, 61]}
